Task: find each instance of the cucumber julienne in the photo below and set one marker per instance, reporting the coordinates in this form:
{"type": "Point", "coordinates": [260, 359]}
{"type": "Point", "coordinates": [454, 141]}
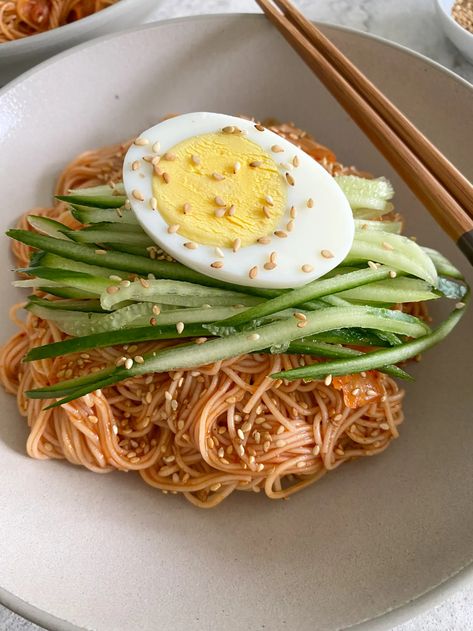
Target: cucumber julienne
{"type": "Point", "coordinates": [192, 355]}
{"type": "Point", "coordinates": [375, 359]}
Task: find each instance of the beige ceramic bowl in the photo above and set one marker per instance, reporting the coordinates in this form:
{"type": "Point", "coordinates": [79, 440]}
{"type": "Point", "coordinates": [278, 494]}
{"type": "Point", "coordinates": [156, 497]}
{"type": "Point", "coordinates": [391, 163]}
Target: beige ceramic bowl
{"type": "Point", "coordinates": [83, 551]}
{"type": "Point", "coordinates": [17, 56]}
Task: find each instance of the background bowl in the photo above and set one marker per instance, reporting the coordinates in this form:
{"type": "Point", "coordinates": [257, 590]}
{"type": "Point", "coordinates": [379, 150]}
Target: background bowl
{"type": "Point", "coordinates": [107, 552]}
{"type": "Point", "coordinates": [19, 55]}
{"type": "Point", "coordinates": [458, 35]}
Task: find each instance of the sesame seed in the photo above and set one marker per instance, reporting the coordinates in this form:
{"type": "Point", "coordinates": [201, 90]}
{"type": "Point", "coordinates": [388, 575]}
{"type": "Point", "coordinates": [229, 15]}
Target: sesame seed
{"type": "Point", "coordinates": [154, 160]}
{"type": "Point", "coordinates": [139, 359]}
{"type": "Point", "coordinates": [156, 147]}
{"type": "Point", "coordinates": [290, 225]}
{"type": "Point", "coordinates": [231, 210]}
{"type": "Point", "coordinates": [173, 228]}
{"type": "Point", "coordinates": [316, 450]}
{"type": "Point", "coordinates": [300, 316]}
{"type": "Point", "coordinates": [281, 429]}
{"type": "Point", "coordinates": [300, 464]}
{"type": "Point", "coordinates": [302, 324]}
{"type": "Point", "coordinates": [215, 487]}
{"type": "Point", "coordinates": [200, 340]}
{"type": "Point", "coordinates": [392, 274]}
{"type": "Point", "coordinates": [169, 459]}
{"type": "Point", "coordinates": [195, 159]}
{"type": "Point", "coordinates": [120, 361]}
{"type": "Point", "coordinates": [191, 245]}
{"type": "Point", "coordinates": [253, 337]}
{"type": "Point", "coordinates": [307, 268]}
{"type": "Point", "coordinates": [100, 251]}
{"type": "Point", "coordinates": [158, 170]}
{"type": "Point", "coordinates": [138, 195]}
{"type": "Point", "coordinates": [168, 396]}
{"type": "Point", "coordinates": [259, 127]}
{"type": "Point", "coordinates": [269, 200]}
{"type": "Point", "coordinates": [230, 129]}
{"type": "Point", "coordinates": [269, 266]}
{"type": "Point", "coordinates": [240, 434]}
{"type": "Point", "coordinates": [220, 212]}
{"type": "Point", "coordinates": [387, 246]}
{"type": "Point", "coordinates": [459, 305]}
{"type": "Point", "coordinates": [266, 446]}
{"type": "Point", "coordinates": [219, 252]}
{"type": "Point", "coordinates": [217, 264]}
{"type": "Point", "coordinates": [253, 273]}
{"type": "Point", "coordinates": [327, 254]}
{"type": "Point", "coordinates": [310, 203]}
{"type": "Point", "coordinates": [277, 149]}
{"type": "Point", "coordinates": [295, 161]}
{"type": "Point", "coordinates": [219, 201]}
{"type": "Point", "coordinates": [231, 400]}
{"type": "Point", "coordinates": [180, 327]}
{"type": "Point", "coordinates": [221, 452]}
{"type": "Point", "coordinates": [156, 309]}
{"type": "Point", "coordinates": [240, 450]}
{"type": "Point", "coordinates": [186, 208]}
{"type": "Point", "coordinates": [141, 142]}
{"type": "Point", "coordinates": [372, 265]}
{"type": "Point", "coordinates": [169, 156]}
{"type": "Point", "coordinates": [267, 212]}
{"type": "Point", "coordinates": [280, 234]}
{"type": "Point", "coordinates": [289, 179]}
{"type": "Point", "coordinates": [355, 391]}
{"type": "Point", "coordinates": [328, 380]}
{"type": "Point", "coordinates": [135, 165]}
{"type": "Point", "coordinates": [264, 240]}
{"type": "Point", "coordinates": [280, 443]}
{"type": "Point", "coordinates": [174, 404]}
{"type": "Point", "coordinates": [236, 167]}
{"type": "Point", "coordinates": [166, 177]}
{"type": "Point", "coordinates": [112, 290]}
{"type": "Point", "coordinates": [144, 283]}
{"type": "Point", "coordinates": [128, 363]}
{"type": "Point", "coordinates": [293, 212]}
{"type": "Point", "coordinates": [255, 164]}
{"type": "Point", "coordinates": [153, 202]}
{"type": "Point", "coordinates": [236, 245]}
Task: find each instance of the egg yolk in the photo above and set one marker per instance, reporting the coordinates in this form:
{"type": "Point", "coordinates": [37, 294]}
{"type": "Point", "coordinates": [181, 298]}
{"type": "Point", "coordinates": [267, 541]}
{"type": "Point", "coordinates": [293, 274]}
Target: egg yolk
{"type": "Point", "coordinates": [218, 188]}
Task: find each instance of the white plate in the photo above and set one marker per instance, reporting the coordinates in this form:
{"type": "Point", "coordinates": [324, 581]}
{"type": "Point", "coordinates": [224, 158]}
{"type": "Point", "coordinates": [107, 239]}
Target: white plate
{"type": "Point", "coordinates": [109, 553]}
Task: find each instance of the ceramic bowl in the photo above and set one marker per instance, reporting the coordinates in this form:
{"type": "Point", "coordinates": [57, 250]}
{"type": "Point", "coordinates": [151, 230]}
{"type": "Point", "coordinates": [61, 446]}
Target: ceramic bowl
{"type": "Point", "coordinates": [19, 55]}
{"type": "Point", "coordinates": [458, 35]}
{"type": "Point", "coordinates": [385, 534]}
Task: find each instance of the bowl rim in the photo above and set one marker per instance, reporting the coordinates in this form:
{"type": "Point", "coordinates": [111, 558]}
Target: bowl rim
{"type": "Point", "coordinates": [49, 37]}
{"type": "Point", "coordinates": [459, 29]}
{"type": "Point", "coordinates": [404, 611]}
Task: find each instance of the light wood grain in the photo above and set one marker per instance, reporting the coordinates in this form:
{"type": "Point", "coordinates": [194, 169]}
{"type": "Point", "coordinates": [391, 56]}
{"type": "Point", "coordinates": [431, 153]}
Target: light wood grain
{"type": "Point", "coordinates": [424, 169]}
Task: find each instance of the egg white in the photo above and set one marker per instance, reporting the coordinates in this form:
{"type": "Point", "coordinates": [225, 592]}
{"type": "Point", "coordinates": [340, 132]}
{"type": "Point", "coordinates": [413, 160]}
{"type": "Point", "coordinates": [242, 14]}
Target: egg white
{"type": "Point", "coordinates": [326, 227]}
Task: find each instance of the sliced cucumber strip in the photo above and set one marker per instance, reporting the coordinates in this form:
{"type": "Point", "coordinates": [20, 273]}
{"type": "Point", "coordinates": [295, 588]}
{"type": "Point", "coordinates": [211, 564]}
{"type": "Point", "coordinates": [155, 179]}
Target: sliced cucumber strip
{"type": "Point", "coordinates": [90, 215]}
{"type": "Point", "coordinates": [96, 201]}
{"type": "Point", "coordinates": [101, 190]}
{"type": "Point", "coordinates": [442, 264]}
{"type": "Point", "coordinates": [192, 355]}
{"type": "Point", "coordinates": [377, 359]}
{"type": "Point", "coordinates": [128, 262]}
{"type": "Point", "coordinates": [92, 306]}
{"type": "Point", "coordinates": [48, 226]}
{"type": "Point", "coordinates": [133, 236]}
{"type": "Point", "coordinates": [77, 280]}
{"type": "Point", "coordinates": [399, 252]}
{"type": "Point", "coordinates": [366, 194]}
{"type": "Point", "coordinates": [392, 291]}
{"type": "Point", "coordinates": [66, 292]}
{"type": "Point", "coordinates": [135, 315]}
{"type": "Point", "coordinates": [46, 259]}
{"type": "Point", "coordinates": [172, 292]}
{"type": "Point", "coordinates": [387, 226]}
{"type": "Point", "coordinates": [315, 289]}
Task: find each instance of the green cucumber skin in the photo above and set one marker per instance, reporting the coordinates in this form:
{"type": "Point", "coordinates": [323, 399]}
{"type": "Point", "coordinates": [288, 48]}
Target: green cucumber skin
{"type": "Point", "coordinates": [189, 356]}
{"type": "Point", "coordinates": [112, 338]}
{"type": "Point", "coordinates": [92, 235]}
{"type": "Point", "coordinates": [89, 215]}
{"type": "Point", "coordinates": [315, 289]}
{"type": "Point", "coordinates": [372, 361]}
{"type": "Point", "coordinates": [83, 306]}
{"type": "Point", "coordinates": [128, 262]}
{"type": "Point", "coordinates": [97, 201]}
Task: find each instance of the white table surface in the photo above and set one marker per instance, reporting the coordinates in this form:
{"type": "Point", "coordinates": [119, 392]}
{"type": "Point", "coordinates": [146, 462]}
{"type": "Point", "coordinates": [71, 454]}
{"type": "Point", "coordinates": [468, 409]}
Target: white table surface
{"type": "Point", "coordinates": [411, 23]}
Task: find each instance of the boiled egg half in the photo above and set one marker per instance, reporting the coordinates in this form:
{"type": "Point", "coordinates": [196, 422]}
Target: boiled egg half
{"type": "Point", "coordinates": [235, 201]}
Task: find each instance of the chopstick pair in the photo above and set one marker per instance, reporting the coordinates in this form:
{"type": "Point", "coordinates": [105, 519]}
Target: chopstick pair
{"type": "Point", "coordinates": [436, 182]}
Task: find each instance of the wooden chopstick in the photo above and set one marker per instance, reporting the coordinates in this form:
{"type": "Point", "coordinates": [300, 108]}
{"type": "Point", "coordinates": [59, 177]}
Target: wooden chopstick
{"type": "Point", "coordinates": [443, 205]}
{"type": "Point", "coordinates": [451, 178]}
